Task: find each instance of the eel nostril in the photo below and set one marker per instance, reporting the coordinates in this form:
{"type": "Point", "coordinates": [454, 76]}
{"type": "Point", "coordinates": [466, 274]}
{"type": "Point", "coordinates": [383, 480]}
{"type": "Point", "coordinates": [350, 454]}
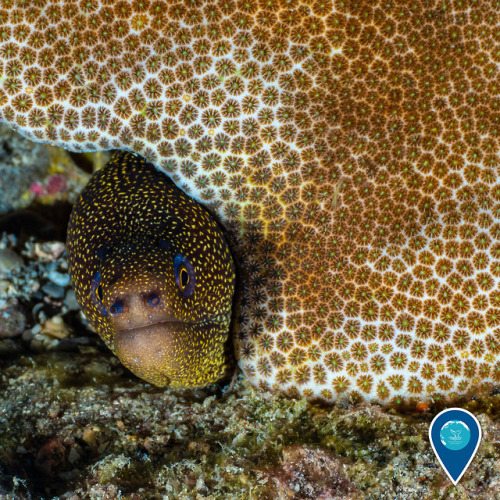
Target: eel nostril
{"type": "Point", "coordinates": [154, 300]}
{"type": "Point", "coordinates": [117, 307]}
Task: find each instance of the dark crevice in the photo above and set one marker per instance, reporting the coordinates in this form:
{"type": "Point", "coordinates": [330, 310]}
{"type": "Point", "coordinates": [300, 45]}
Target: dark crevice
{"type": "Point", "coordinates": [43, 222]}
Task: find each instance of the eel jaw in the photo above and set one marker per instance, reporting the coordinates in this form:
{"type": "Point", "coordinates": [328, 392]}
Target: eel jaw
{"type": "Point", "coordinates": [172, 353]}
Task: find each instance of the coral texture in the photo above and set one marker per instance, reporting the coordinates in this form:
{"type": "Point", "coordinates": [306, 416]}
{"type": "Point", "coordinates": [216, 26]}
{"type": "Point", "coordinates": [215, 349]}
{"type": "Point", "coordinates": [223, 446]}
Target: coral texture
{"type": "Point", "coordinates": [350, 148]}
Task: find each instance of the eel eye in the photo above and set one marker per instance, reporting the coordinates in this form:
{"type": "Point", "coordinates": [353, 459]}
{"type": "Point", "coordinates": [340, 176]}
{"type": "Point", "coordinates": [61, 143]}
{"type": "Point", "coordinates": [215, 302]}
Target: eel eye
{"type": "Point", "coordinates": [96, 294]}
{"type": "Point", "coordinates": [154, 300]}
{"type": "Point", "coordinates": [184, 275]}
{"type": "Point", "coordinates": [117, 307]}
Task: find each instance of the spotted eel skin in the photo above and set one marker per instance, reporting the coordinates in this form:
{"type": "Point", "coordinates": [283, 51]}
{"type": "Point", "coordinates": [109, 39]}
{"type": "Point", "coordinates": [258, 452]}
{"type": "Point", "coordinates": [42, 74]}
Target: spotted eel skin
{"type": "Point", "coordinates": [153, 274]}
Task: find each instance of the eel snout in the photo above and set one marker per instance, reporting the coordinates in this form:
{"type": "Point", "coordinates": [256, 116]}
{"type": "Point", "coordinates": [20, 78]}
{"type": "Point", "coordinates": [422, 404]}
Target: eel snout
{"type": "Point", "coordinates": [164, 353]}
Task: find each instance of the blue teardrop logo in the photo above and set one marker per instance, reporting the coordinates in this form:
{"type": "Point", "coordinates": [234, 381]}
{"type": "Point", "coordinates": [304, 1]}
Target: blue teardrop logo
{"type": "Point", "coordinates": [455, 435]}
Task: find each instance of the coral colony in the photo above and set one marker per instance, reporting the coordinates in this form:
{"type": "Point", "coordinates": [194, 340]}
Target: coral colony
{"type": "Point", "coordinates": [350, 150]}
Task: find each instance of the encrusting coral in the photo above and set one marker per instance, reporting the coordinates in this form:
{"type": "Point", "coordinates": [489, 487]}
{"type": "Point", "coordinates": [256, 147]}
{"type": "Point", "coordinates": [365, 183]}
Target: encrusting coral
{"type": "Point", "coordinates": [349, 148]}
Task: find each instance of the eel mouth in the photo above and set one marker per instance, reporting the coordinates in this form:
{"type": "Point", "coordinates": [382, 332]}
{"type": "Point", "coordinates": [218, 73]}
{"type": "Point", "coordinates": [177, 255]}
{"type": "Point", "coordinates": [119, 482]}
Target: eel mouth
{"type": "Point", "coordinates": [164, 352]}
{"type": "Point", "coordinates": [166, 323]}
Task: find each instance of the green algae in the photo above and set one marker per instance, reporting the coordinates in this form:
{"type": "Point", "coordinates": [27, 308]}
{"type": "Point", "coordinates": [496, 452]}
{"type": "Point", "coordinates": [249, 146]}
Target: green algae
{"type": "Point", "coordinates": [118, 436]}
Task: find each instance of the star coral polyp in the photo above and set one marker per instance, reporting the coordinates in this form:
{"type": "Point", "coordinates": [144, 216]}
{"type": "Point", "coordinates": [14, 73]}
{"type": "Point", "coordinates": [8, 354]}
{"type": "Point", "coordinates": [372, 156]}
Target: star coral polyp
{"type": "Point", "coordinates": [349, 148]}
